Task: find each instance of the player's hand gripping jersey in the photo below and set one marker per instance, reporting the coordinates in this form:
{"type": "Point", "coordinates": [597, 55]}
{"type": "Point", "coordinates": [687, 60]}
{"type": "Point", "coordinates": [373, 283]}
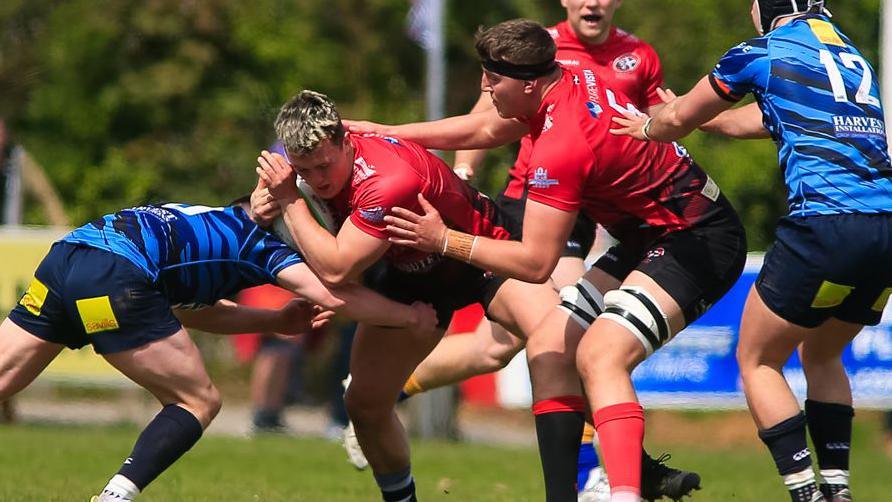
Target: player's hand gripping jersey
{"type": "Point", "coordinates": [390, 172]}
{"type": "Point", "coordinates": [637, 190]}
{"type": "Point", "coordinates": [821, 103]}
{"type": "Point", "coordinates": [623, 63]}
{"type": "Point", "coordinates": [197, 254]}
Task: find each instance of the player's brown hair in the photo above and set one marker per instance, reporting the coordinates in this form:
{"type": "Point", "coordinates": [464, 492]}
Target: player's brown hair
{"type": "Point", "coordinates": [306, 120]}
{"type": "Point", "coordinates": [518, 41]}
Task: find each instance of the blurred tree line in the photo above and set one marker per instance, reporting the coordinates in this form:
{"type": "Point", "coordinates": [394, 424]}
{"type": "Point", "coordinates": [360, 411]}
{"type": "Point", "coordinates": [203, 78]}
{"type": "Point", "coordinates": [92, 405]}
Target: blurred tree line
{"type": "Point", "coordinates": [133, 101]}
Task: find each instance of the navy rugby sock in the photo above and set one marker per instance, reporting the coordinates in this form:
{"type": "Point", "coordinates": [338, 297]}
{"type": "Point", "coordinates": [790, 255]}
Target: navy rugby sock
{"type": "Point", "coordinates": [830, 427]}
{"type": "Point", "coordinates": [788, 446]}
{"type": "Point", "coordinates": [398, 486]}
{"type": "Point", "coordinates": [168, 436]}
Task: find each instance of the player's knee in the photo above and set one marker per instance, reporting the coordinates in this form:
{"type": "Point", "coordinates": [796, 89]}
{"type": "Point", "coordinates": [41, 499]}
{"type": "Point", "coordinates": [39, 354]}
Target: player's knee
{"type": "Point", "coordinates": [817, 354]}
{"type": "Point", "coordinates": [582, 301]}
{"type": "Point", "coordinates": [638, 312]}
{"type": "Point", "coordinates": [6, 385]}
{"type": "Point", "coordinates": [595, 362]}
{"type": "Point", "coordinates": [11, 381]}
{"type": "Point", "coordinates": [497, 356]}
{"type": "Point", "coordinates": [363, 408]}
{"type": "Point", "coordinates": [819, 361]}
{"type": "Point", "coordinates": [204, 403]}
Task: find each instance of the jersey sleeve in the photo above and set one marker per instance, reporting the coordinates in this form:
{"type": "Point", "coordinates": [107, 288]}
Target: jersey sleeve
{"type": "Point", "coordinates": [741, 69]}
{"type": "Point", "coordinates": [559, 166]}
{"type": "Point", "coordinates": [378, 195]}
{"type": "Point", "coordinates": [273, 255]}
{"type": "Point", "coordinates": [653, 77]}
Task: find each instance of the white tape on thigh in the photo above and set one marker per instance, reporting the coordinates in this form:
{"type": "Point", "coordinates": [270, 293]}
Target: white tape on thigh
{"type": "Point", "coordinates": [637, 311]}
{"type": "Point", "coordinates": [583, 302]}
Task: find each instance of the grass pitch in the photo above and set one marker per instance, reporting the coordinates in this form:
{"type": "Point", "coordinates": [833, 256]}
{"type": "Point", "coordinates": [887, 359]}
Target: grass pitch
{"type": "Point", "coordinates": [56, 463]}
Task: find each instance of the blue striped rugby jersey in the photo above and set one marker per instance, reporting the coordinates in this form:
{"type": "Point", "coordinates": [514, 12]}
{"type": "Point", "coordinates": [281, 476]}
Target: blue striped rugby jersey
{"type": "Point", "coordinates": [197, 254]}
{"type": "Point", "coordinates": [821, 102]}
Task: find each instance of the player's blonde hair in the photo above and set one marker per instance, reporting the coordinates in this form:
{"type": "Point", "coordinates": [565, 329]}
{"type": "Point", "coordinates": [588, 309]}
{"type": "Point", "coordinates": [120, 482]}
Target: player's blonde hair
{"type": "Point", "coordinates": [306, 120]}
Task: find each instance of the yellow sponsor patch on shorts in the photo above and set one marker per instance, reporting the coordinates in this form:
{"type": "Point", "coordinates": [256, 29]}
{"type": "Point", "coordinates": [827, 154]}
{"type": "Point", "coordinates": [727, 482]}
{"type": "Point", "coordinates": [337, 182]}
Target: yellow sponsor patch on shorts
{"type": "Point", "coordinates": [96, 314]}
{"type": "Point", "coordinates": [882, 300]}
{"type": "Point", "coordinates": [830, 295]}
{"type": "Point", "coordinates": [825, 32]}
{"type": "Point", "coordinates": [34, 297]}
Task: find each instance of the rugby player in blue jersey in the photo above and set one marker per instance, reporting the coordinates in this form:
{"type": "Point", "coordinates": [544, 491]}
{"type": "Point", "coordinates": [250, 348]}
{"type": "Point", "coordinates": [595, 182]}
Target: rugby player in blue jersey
{"type": "Point", "coordinates": [829, 271]}
{"type": "Point", "coordinates": [127, 283]}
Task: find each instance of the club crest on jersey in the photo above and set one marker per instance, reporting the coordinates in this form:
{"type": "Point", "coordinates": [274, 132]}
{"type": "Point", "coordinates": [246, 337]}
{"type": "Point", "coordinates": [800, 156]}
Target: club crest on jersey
{"type": "Point", "coordinates": [373, 215]}
{"type": "Point", "coordinates": [541, 180]}
{"type": "Point", "coordinates": [626, 63]}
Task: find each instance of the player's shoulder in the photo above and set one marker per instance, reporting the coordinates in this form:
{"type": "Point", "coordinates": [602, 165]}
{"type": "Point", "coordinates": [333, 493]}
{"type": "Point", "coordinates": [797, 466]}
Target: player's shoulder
{"type": "Point", "coordinates": [384, 167]}
{"type": "Point", "coordinates": [564, 122]}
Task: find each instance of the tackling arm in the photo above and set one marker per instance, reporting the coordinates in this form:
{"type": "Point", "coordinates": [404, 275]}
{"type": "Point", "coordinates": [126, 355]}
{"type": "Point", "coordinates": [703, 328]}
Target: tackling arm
{"type": "Point", "coordinates": [485, 129]}
{"type": "Point", "coordinates": [682, 115]}
{"type": "Point", "coordinates": [467, 161]}
{"type": "Point", "coordinates": [741, 123]}
{"type": "Point", "coordinates": [228, 318]}
{"type": "Point", "coordinates": [356, 302]}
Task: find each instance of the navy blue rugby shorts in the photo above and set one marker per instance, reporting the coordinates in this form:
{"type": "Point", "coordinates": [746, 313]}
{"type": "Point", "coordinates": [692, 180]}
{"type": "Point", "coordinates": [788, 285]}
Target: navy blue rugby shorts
{"type": "Point", "coordinates": [82, 295]}
{"type": "Point", "coordinates": [836, 266]}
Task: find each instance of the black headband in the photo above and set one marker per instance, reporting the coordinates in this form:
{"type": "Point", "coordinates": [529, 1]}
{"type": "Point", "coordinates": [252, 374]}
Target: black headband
{"type": "Point", "coordinates": [519, 71]}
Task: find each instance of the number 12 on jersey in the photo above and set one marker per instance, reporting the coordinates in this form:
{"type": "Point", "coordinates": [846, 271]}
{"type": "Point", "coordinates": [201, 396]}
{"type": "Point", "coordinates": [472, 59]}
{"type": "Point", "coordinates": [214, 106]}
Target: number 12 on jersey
{"type": "Point", "coordinates": [837, 84]}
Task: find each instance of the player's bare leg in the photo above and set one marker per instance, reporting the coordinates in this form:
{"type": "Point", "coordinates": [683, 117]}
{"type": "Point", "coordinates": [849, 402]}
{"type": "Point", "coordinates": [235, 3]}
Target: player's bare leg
{"type": "Point", "coordinates": [463, 355]}
{"type": "Point", "coordinates": [608, 353]}
{"type": "Point", "coordinates": [381, 360]}
{"type": "Point", "coordinates": [558, 405]}
{"type": "Point", "coordinates": [828, 408]}
{"type": "Point", "coordinates": [22, 357]}
{"type": "Point", "coordinates": [172, 370]}
{"type": "Point", "coordinates": [766, 342]}
{"type": "Point", "coordinates": [488, 348]}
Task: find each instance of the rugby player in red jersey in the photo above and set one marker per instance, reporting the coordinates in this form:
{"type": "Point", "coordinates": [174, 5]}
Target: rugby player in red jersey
{"type": "Point", "coordinates": [363, 177]}
{"type": "Point", "coordinates": [586, 39]}
{"type": "Point", "coordinates": [681, 244]}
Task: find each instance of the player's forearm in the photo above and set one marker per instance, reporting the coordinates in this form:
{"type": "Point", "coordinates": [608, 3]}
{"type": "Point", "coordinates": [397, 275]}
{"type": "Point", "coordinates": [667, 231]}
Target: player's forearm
{"type": "Point", "coordinates": [228, 318]}
{"type": "Point", "coordinates": [317, 245]}
{"type": "Point", "coordinates": [366, 306]}
{"type": "Point", "coordinates": [683, 115]}
{"type": "Point", "coordinates": [741, 123]}
{"type": "Point", "coordinates": [670, 125]}
{"type": "Point", "coordinates": [473, 131]}
{"type": "Point", "coordinates": [469, 159]}
{"type": "Point", "coordinates": [518, 260]}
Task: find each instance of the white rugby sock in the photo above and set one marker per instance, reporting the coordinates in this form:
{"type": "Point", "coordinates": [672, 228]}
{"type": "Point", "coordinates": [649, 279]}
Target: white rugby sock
{"type": "Point", "coordinates": [122, 487]}
{"type": "Point", "coordinates": [835, 476]}
{"type": "Point", "coordinates": [799, 479]}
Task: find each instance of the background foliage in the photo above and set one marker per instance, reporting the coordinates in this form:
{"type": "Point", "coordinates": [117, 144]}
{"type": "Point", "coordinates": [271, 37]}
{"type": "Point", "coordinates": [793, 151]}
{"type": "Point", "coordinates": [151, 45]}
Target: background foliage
{"type": "Point", "coordinates": [132, 101]}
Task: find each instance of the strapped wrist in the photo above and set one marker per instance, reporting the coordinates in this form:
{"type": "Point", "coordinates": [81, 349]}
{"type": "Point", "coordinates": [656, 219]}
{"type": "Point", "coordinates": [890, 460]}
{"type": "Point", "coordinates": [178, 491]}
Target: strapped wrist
{"type": "Point", "coordinates": [459, 245]}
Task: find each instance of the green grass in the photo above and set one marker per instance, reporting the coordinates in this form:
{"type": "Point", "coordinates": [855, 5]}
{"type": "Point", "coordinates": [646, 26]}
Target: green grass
{"type": "Point", "coordinates": [54, 463]}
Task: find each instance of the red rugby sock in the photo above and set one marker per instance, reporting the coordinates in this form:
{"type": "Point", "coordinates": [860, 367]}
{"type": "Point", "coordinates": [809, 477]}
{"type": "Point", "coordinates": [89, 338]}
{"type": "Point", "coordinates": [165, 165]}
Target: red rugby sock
{"type": "Point", "coordinates": [621, 433]}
